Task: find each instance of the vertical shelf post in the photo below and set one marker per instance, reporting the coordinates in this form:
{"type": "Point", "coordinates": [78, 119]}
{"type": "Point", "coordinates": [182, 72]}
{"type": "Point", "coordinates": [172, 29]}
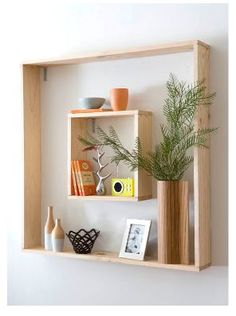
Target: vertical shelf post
{"type": "Point", "coordinates": [143, 130]}
{"type": "Point", "coordinates": [76, 127]}
{"type": "Point", "coordinates": [202, 233]}
{"type": "Point", "coordinates": [32, 157]}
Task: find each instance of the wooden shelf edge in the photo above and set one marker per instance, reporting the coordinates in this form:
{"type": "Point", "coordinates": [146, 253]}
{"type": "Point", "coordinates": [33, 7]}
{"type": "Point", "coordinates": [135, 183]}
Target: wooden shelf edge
{"type": "Point", "coordinates": [197, 42]}
{"type": "Point", "coordinates": [105, 256]}
{"type": "Point", "coordinates": [204, 267]}
{"type": "Point", "coordinates": [161, 49]}
{"type": "Point", "coordinates": [109, 198]}
{"type": "Point", "coordinates": [109, 113]}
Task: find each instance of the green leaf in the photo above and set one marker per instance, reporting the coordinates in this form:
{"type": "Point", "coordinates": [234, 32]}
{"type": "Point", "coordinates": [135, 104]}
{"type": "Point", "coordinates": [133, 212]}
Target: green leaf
{"type": "Point", "coordinates": [169, 160]}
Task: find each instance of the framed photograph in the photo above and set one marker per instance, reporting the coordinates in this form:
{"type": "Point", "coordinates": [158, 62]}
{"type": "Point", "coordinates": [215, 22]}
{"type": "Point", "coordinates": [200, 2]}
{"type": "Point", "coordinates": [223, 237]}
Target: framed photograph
{"type": "Point", "coordinates": [135, 239]}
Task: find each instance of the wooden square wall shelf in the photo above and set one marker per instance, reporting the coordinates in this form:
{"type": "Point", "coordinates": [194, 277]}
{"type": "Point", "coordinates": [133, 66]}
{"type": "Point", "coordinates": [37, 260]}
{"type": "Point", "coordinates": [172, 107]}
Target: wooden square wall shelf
{"type": "Point", "coordinates": [142, 128]}
{"type": "Point", "coordinates": [32, 155]}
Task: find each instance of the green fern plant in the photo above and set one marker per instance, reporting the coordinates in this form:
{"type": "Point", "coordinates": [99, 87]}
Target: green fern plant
{"type": "Point", "coordinates": [170, 159]}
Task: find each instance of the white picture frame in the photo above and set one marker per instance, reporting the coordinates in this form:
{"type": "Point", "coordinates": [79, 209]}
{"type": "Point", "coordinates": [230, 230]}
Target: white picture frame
{"type": "Point", "coordinates": [135, 239]}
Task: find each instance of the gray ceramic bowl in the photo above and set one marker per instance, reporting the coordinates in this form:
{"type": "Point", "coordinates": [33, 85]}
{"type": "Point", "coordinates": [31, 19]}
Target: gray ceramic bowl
{"type": "Point", "coordinates": [91, 103]}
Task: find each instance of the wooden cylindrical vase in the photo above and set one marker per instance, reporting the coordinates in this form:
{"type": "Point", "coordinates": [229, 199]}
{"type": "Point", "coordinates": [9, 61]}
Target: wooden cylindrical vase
{"type": "Point", "coordinates": [119, 99]}
{"type": "Point", "coordinates": [173, 222]}
{"type": "Point", "coordinates": [58, 237]}
{"type": "Point", "coordinates": [48, 229]}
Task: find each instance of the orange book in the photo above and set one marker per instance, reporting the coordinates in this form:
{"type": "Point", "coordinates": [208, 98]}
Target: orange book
{"type": "Point", "coordinates": [77, 178]}
{"type": "Point", "coordinates": [74, 182]}
{"type": "Point", "coordinates": [87, 181]}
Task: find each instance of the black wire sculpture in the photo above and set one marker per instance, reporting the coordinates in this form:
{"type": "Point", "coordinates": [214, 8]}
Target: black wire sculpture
{"type": "Point", "coordinates": [83, 240]}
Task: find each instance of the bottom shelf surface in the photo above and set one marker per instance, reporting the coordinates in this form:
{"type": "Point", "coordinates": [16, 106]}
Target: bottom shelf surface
{"type": "Point", "coordinates": [114, 257]}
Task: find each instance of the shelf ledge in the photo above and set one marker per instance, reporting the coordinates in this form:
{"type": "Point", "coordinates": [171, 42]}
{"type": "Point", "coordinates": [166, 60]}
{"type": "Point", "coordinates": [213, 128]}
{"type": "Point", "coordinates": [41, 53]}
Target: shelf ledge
{"type": "Point", "coordinates": [161, 49]}
{"type": "Point", "coordinates": [110, 198]}
{"type": "Point", "coordinates": [109, 114]}
{"type": "Point", "coordinates": [106, 256]}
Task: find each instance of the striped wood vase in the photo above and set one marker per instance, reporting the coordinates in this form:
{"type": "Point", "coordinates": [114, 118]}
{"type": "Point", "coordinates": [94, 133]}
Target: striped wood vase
{"type": "Point", "coordinates": [173, 222]}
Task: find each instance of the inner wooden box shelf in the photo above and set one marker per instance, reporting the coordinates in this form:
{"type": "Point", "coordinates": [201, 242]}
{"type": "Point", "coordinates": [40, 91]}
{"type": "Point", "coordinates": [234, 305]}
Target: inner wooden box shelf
{"type": "Point", "coordinates": [142, 128]}
{"type": "Point", "coordinates": [32, 155]}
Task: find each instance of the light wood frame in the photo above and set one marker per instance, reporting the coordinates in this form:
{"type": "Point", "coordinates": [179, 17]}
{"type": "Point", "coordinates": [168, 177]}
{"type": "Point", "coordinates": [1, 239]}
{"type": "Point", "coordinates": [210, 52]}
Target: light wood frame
{"type": "Point", "coordinates": [32, 152]}
{"type": "Point", "coordinates": [142, 125]}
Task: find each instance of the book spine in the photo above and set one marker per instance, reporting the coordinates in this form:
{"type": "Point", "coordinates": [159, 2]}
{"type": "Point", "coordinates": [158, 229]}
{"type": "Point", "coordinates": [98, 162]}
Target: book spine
{"type": "Point", "coordinates": [78, 177]}
{"type": "Point", "coordinates": [86, 177]}
{"type": "Point", "coordinates": [74, 179]}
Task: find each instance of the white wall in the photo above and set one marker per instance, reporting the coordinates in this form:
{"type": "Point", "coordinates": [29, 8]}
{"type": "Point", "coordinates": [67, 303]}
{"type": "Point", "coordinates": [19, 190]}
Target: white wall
{"type": "Point", "coordinates": [34, 279]}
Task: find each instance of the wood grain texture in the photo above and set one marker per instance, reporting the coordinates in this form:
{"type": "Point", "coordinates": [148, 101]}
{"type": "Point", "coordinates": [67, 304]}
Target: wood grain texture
{"type": "Point", "coordinates": [77, 125]}
{"type": "Point", "coordinates": [105, 256]}
{"type": "Point", "coordinates": [32, 152]}
{"type": "Point", "coordinates": [173, 222]}
{"type": "Point", "coordinates": [58, 232]}
{"type": "Point", "coordinates": [109, 114]}
{"type": "Point", "coordinates": [143, 130]}
{"type": "Point", "coordinates": [161, 49]}
{"type": "Point", "coordinates": [32, 195]}
{"type": "Point", "coordinates": [202, 231]}
{"type": "Point", "coordinates": [111, 198]}
{"type": "Point", "coordinates": [50, 223]}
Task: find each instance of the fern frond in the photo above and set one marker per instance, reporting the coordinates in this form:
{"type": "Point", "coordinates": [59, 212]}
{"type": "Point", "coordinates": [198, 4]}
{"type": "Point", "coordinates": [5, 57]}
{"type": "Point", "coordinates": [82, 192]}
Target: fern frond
{"type": "Point", "coordinates": [169, 160]}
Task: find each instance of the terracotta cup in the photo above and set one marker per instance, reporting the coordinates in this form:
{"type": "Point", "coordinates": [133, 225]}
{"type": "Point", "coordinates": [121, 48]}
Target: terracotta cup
{"type": "Point", "coordinates": [119, 99]}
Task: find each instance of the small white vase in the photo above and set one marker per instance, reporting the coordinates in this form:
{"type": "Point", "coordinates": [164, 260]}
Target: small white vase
{"type": "Point", "coordinates": [58, 237]}
{"type": "Point", "coordinates": [50, 224]}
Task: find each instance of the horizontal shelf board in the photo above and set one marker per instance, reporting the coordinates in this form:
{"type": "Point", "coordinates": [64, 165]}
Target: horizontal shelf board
{"type": "Point", "coordinates": [122, 54]}
{"type": "Point", "coordinates": [109, 114]}
{"type": "Point", "coordinates": [113, 257]}
{"type": "Point", "coordinates": [108, 198]}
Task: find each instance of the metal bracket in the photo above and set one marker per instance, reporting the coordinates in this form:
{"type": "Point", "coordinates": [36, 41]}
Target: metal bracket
{"type": "Point", "coordinates": [45, 74]}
